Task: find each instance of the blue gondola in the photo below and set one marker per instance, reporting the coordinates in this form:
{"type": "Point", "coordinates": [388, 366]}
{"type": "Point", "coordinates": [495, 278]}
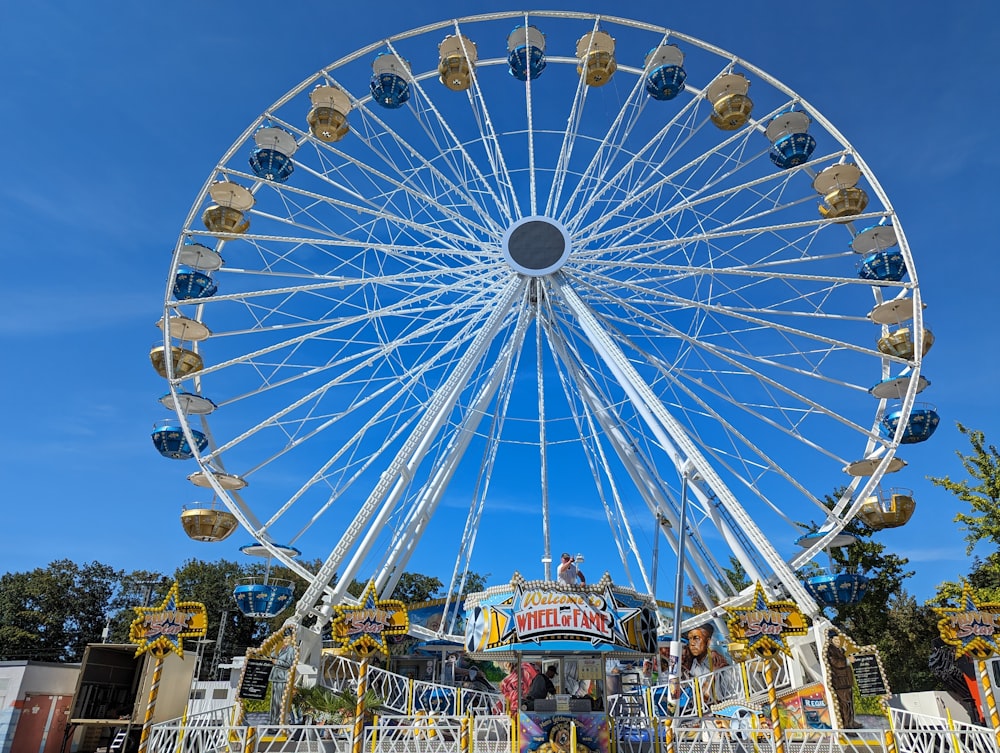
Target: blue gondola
{"type": "Point", "coordinates": [192, 284]}
{"type": "Point", "coordinates": [792, 150]}
{"type": "Point", "coordinates": [170, 441]}
{"type": "Point", "coordinates": [920, 425]}
{"type": "Point", "coordinates": [665, 74]}
{"type": "Point", "coordinates": [837, 589]}
{"type": "Point", "coordinates": [525, 53]}
{"type": "Point", "coordinates": [526, 62]}
{"type": "Point", "coordinates": [388, 83]}
{"type": "Point", "coordinates": [271, 164]}
{"type": "Point", "coordinates": [883, 266]}
{"type": "Point", "coordinates": [272, 159]}
{"type": "Point", "coordinates": [790, 144]}
{"type": "Point", "coordinates": [263, 599]}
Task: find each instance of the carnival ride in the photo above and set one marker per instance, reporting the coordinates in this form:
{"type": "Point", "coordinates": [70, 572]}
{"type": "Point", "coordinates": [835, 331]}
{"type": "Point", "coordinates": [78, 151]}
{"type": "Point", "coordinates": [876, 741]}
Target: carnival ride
{"type": "Point", "coordinates": [548, 267]}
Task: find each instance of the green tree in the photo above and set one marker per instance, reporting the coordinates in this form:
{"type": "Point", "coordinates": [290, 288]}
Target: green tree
{"type": "Point", "coordinates": [868, 620]}
{"type": "Point", "coordinates": [51, 613]}
{"type": "Point", "coordinates": [981, 490]}
{"type": "Point", "coordinates": [212, 584]}
{"type": "Point", "coordinates": [413, 588]}
{"type": "Point", "coordinates": [905, 646]}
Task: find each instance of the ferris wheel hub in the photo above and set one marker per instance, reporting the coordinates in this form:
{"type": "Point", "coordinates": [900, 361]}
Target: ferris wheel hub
{"type": "Point", "coordinates": [536, 246]}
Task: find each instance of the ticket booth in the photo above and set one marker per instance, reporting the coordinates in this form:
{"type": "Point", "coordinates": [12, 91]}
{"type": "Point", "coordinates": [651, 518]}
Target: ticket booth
{"type": "Point", "coordinates": [573, 635]}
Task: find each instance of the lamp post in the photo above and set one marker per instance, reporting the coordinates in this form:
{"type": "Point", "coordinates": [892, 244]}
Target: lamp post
{"type": "Point", "coordinates": [675, 642]}
{"type": "Point", "coordinates": [674, 670]}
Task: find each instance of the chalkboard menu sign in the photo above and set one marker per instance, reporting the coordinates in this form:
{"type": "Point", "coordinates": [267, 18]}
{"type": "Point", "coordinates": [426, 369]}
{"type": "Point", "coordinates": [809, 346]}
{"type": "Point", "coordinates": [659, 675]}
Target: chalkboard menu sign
{"type": "Point", "coordinates": [868, 675]}
{"type": "Point", "coordinates": [256, 675]}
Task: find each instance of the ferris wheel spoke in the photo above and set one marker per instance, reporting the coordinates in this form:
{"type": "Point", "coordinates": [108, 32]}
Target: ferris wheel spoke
{"type": "Point", "coordinates": [456, 443]}
{"type": "Point", "coordinates": [690, 396]}
{"type": "Point", "coordinates": [741, 360]}
{"type": "Point", "coordinates": [676, 186]}
{"type": "Point", "coordinates": [454, 144]}
{"type": "Point", "coordinates": [362, 361]}
{"type": "Point", "coordinates": [493, 146]}
{"type": "Point", "coordinates": [360, 455]}
{"type": "Point", "coordinates": [376, 128]}
{"type": "Point", "coordinates": [679, 126]}
{"type": "Point", "coordinates": [569, 139]}
{"type": "Point", "coordinates": [414, 184]}
{"type": "Point", "coordinates": [665, 424]}
{"type": "Point", "coordinates": [728, 313]}
{"type": "Point", "coordinates": [391, 483]}
{"type": "Point", "coordinates": [612, 146]}
{"type": "Point", "coordinates": [638, 466]}
{"type": "Point", "coordinates": [398, 308]}
{"type": "Point", "coordinates": [299, 212]}
{"type": "Point", "coordinates": [688, 204]}
{"type": "Point", "coordinates": [599, 464]}
{"type": "Point", "coordinates": [529, 119]}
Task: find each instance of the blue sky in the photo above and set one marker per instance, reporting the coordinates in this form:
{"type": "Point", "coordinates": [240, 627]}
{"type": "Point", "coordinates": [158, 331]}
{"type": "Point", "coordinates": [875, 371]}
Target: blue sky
{"type": "Point", "coordinates": [115, 114]}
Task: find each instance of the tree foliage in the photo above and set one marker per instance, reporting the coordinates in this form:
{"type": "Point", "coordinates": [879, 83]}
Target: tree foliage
{"type": "Point", "coordinates": [906, 644]}
{"type": "Point", "coordinates": [413, 588]}
{"type": "Point", "coordinates": [981, 490]}
{"type": "Point", "coordinates": [51, 613]}
{"type": "Point", "coordinates": [868, 620]}
{"type": "Point", "coordinates": [982, 524]}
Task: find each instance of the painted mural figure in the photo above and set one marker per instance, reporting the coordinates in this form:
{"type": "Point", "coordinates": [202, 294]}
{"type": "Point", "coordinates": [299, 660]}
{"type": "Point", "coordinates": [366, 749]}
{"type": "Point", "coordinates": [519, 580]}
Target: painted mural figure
{"type": "Point", "coordinates": [284, 660]}
{"type": "Point", "coordinates": [841, 680]}
{"type": "Point", "coordinates": [699, 659]}
{"type": "Point", "coordinates": [511, 687]}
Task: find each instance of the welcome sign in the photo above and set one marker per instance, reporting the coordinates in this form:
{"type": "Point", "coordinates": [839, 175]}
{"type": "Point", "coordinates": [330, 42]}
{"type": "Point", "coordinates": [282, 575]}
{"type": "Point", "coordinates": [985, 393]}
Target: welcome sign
{"type": "Point", "coordinates": [529, 614]}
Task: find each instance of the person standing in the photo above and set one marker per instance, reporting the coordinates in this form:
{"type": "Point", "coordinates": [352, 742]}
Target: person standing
{"type": "Point", "coordinates": [542, 685]}
{"type": "Point", "coordinates": [569, 573]}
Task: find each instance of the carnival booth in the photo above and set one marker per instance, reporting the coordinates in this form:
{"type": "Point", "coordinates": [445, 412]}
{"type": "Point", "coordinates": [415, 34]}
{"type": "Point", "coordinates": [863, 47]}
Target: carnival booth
{"type": "Point", "coordinates": [556, 643]}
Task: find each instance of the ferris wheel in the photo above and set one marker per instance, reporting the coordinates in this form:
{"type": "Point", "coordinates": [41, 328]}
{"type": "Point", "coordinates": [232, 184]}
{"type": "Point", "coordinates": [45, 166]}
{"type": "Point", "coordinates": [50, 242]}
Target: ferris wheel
{"type": "Point", "coordinates": [488, 288]}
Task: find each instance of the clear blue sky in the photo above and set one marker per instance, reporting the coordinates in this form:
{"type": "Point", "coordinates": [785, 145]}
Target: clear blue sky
{"type": "Point", "coordinates": [115, 113]}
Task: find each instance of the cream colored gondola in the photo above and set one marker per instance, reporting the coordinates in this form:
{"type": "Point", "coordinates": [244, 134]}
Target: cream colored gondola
{"type": "Point", "coordinates": [458, 58]}
{"type": "Point", "coordinates": [227, 214]}
{"type": "Point", "coordinates": [595, 53]}
{"type": "Point", "coordinates": [328, 117]}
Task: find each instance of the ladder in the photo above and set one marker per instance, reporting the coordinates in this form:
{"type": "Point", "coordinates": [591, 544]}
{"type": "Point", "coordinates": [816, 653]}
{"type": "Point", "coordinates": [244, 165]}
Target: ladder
{"type": "Point", "coordinates": [118, 744]}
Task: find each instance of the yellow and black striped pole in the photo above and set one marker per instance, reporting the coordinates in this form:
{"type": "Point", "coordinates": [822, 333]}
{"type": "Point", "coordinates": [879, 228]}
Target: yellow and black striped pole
{"type": "Point", "coordinates": [772, 702]}
{"type": "Point", "coordinates": [154, 691]}
{"type": "Point", "coordinates": [669, 741]}
{"type": "Point", "coordinates": [359, 710]}
{"type": "Point", "coordinates": [463, 738]}
{"type": "Point", "coordinates": [989, 702]}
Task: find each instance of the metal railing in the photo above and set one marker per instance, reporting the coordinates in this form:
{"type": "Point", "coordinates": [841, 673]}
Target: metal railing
{"type": "Point", "coordinates": [437, 733]}
{"type": "Point", "coordinates": [920, 733]}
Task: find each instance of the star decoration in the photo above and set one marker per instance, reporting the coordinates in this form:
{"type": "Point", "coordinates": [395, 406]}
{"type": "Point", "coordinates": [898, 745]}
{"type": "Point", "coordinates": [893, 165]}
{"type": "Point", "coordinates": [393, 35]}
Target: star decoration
{"type": "Point", "coordinates": [762, 625]}
{"type": "Point", "coordinates": [163, 629]}
{"type": "Point", "coordinates": [363, 628]}
{"type": "Point", "coordinates": [972, 627]}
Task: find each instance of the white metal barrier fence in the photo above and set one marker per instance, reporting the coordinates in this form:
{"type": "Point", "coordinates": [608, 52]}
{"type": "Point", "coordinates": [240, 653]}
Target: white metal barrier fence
{"type": "Point", "coordinates": [492, 734]}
